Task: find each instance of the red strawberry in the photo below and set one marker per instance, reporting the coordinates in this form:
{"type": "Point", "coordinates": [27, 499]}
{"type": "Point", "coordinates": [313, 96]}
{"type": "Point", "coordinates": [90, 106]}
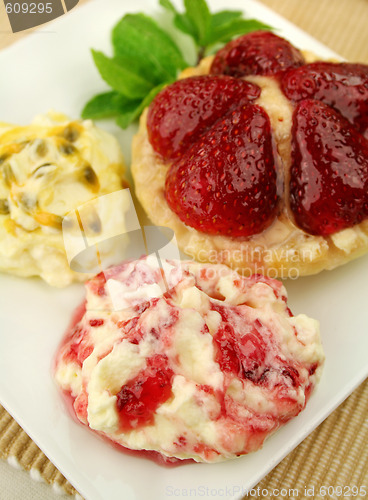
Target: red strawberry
{"type": "Point", "coordinates": [329, 170]}
{"type": "Point", "coordinates": [187, 108]}
{"type": "Point", "coordinates": [256, 53]}
{"type": "Point", "coordinates": [342, 86]}
{"type": "Point", "coordinates": [226, 182]}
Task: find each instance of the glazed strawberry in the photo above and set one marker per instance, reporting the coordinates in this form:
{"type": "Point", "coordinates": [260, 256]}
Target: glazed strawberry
{"type": "Point", "coordinates": [343, 86]}
{"type": "Point", "coordinates": [256, 53]}
{"type": "Point", "coordinates": [187, 108]}
{"type": "Point", "coordinates": [226, 182]}
{"type": "Point", "coordinates": [329, 171]}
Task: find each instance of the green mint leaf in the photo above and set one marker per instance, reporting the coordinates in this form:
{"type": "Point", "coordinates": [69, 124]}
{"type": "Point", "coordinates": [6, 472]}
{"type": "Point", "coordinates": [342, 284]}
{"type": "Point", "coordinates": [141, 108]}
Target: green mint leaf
{"type": "Point", "coordinates": [132, 112]}
{"type": "Point", "coordinates": [198, 13]}
{"type": "Point", "coordinates": [141, 42]}
{"type": "Point", "coordinates": [167, 4]}
{"type": "Point", "coordinates": [224, 17]}
{"type": "Point", "coordinates": [226, 32]}
{"type": "Point", "coordinates": [106, 105]}
{"type": "Point", "coordinates": [149, 97]}
{"type": "Point", "coordinates": [181, 21]}
{"type": "Point", "coordinates": [184, 24]}
{"type": "Point", "coordinates": [120, 78]}
{"type": "Point", "coordinates": [129, 115]}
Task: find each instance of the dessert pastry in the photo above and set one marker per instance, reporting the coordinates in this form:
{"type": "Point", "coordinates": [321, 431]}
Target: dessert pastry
{"type": "Point", "coordinates": [201, 365]}
{"type": "Point", "coordinates": [48, 169]}
{"type": "Point", "coordinates": [258, 158]}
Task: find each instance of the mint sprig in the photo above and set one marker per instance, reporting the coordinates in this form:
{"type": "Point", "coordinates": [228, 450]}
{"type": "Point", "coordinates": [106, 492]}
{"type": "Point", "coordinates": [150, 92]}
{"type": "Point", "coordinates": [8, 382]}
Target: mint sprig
{"type": "Point", "coordinates": [139, 40]}
{"type": "Point", "coordinates": [121, 76]}
{"type": "Point", "coordinates": [145, 58]}
{"type": "Point", "coordinates": [208, 29]}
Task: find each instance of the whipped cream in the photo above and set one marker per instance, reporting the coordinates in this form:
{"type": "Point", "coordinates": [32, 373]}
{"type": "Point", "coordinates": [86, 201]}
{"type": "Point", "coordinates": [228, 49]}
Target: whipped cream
{"type": "Point", "coordinates": [204, 366]}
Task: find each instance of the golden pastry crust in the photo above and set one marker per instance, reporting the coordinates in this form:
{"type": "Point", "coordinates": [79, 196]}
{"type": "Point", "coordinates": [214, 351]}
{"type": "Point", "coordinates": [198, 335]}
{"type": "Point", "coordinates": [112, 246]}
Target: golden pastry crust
{"type": "Point", "coordinates": [48, 169]}
{"type": "Point", "coordinates": [282, 250]}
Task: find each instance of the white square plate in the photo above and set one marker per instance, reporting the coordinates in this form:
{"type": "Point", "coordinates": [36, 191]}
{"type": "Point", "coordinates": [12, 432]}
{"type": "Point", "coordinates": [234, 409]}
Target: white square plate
{"type": "Point", "coordinates": [52, 68]}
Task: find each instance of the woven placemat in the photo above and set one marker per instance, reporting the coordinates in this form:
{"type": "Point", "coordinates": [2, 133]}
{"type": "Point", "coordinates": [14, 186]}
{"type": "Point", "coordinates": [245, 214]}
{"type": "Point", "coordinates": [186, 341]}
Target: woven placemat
{"type": "Point", "coordinates": [336, 453]}
{"type": "Point", "coordinates": [339, 24]}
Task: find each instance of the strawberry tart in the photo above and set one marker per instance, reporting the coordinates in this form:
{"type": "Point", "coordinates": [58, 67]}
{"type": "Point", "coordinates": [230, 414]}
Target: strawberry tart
{"type": "Point", "coordinates": [258, 158]}
{"type": "Point", "coordinates": [201, 365]}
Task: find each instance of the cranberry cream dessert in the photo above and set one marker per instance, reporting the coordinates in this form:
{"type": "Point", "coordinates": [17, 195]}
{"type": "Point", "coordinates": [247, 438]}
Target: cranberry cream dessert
{"type": "Point", "coordinates": [192, 361]}
{"type": "Point", "coordinates": [258, 158]}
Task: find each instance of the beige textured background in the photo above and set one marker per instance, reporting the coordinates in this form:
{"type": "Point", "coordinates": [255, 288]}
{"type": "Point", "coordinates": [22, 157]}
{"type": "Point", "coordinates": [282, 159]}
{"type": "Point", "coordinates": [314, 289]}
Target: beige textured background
{"type": "Point", "coordinates": [342, 25]}
{"type": "Point", "coordinates": [335, 454]}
